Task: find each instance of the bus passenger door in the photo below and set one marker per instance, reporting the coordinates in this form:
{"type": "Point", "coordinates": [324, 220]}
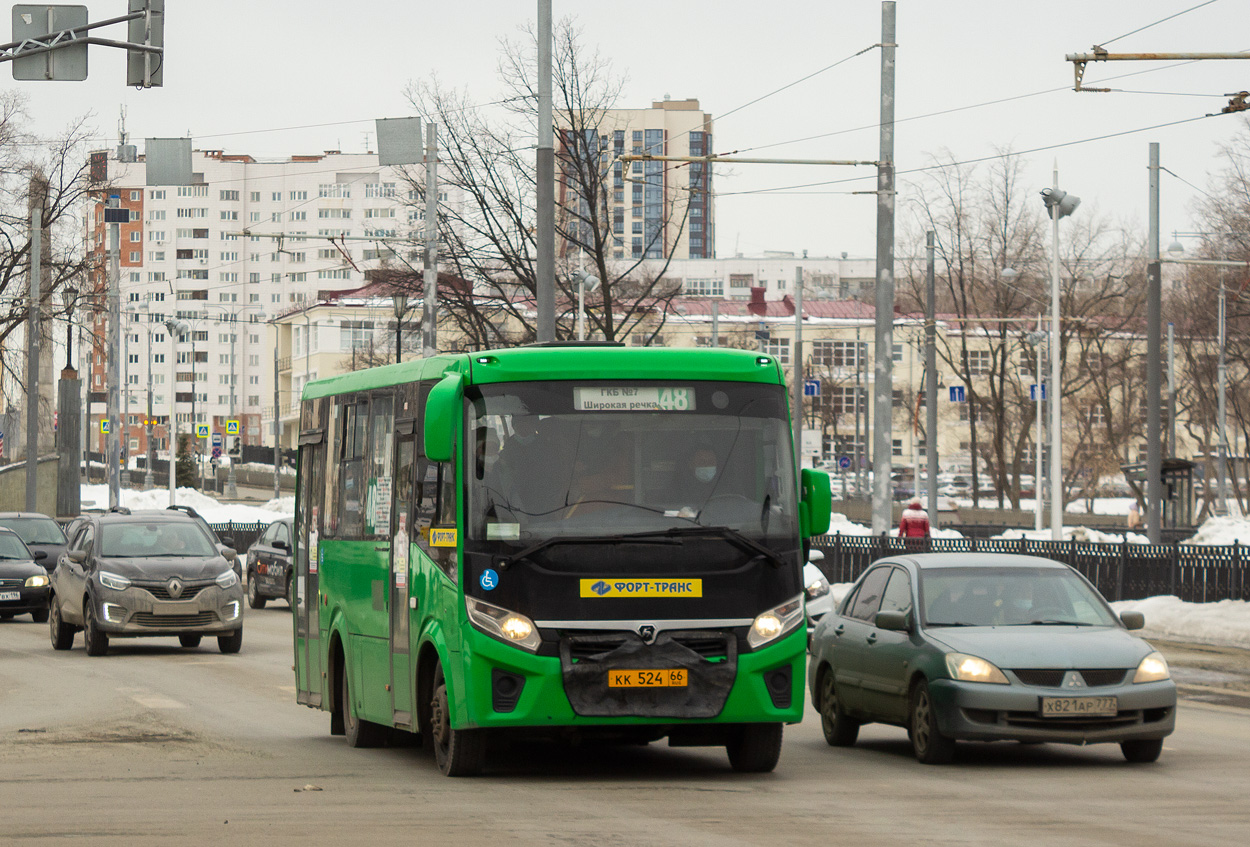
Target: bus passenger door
{"type": "Point", "coordinates": [307, 599]}
{"type": "Point", "coordinates": [404, 598]}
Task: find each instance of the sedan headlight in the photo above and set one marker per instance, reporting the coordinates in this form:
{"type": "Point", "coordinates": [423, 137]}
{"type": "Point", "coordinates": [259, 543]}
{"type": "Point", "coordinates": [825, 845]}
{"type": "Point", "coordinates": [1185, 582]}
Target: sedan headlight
{"type": "Point", "coordinates": [776, 622]}
{"type": "Point", "coordinates": [1153, 668]}
{"type": "Point", "coordinates": [113, 581]}
{"type": "Point", "coordinates": [512, 627]}
{"type": "Point", "coordinates": [37, 581]}
{"type": "Point", "coordinates": [818, 587]}
{"type": "Point", "coordinates": [967, 668]}
{"type": "Point", "coordinates": [228, 579]}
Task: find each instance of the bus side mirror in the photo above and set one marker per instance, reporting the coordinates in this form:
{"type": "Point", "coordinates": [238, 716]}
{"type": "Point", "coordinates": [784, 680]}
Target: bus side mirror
{"type": "Point", "coordinates": [442, 415]}
{"type": "Point", "coordinates": [816, 503]}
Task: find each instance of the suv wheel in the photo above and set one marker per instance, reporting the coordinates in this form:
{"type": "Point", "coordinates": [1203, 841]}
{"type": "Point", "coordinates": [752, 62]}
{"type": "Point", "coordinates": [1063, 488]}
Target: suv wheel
{"type": "Point", "coordinates": [97, 641]}
{"type": "Point", "coordinates": [62, 633]}
{"type": "Point", "coordinates": [232, 642]}
{"type": "Point", "coordinates": [189, 640]}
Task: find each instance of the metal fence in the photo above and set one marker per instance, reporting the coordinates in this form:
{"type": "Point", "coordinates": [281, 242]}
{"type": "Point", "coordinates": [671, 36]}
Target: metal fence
{"type": "Point", "coordinates": [1197, 574]}
{"type": "Point", "coordinates": [244, 534]}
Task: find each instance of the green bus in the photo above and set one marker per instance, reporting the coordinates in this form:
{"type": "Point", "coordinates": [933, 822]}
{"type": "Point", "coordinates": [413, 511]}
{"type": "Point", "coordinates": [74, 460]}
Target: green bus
{"type": "Point", "coordinates": [554, 540]}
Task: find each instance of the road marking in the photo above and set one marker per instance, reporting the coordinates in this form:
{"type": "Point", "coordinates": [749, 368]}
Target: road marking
{"type": "Point", "coordinates": [156, 701]}
{"type": "Point", "coordinates": [289, 689]}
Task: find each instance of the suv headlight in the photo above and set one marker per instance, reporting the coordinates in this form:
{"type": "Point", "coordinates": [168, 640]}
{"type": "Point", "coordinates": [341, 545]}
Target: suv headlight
{"type": "Point", "coordinates": [775, 623]}
{"type": "Point", "coordinates": [37, 581]}
{"type": "Point", "coordinates": [228, 579]}
{"type": "Point", "coordinates": [1153, 668]}
{"type": "Point", "coordinates": [512, 627]}
{"type": "Point", "coordinates": [967, 668]}
{"type": "Point", "coordinates": [818, 587]}
{"type": "Point", "coordinates": [113, 581]}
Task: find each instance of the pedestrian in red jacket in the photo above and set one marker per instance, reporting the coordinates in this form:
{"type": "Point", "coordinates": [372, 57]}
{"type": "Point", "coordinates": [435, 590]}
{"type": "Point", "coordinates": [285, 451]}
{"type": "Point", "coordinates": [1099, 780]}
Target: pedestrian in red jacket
{"type": "Point", "coordinates": [915, 522]}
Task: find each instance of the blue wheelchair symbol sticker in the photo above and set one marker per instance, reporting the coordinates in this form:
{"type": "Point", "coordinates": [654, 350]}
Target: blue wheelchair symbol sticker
{"type": "Point", "coordinates": [489, 580]}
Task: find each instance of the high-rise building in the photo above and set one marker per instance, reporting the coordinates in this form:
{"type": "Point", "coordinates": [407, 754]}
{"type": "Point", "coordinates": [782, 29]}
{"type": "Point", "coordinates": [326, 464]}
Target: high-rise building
{"type": "Point", "coordinates": [248, 240]}
{"type": "Point", "coordinates": [655, 209]}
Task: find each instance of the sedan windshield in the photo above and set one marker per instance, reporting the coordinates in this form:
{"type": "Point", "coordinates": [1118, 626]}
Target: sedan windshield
{"type": "Point", "coordinates": [35, 530]}
{"type": "Point", "coordinates": [145, 541]}
{"type": "Point", "coordinates": [560, 459]}
{"type": "Point", "coordinates": [11, 547]}
{"type": "Point", "coordinates": [1010, 596]}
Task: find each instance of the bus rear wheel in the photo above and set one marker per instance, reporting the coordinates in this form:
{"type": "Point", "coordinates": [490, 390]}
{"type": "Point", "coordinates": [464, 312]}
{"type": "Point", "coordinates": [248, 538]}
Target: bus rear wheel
{"type": "Point", "coordinates": [359, 732]}
{"type": "Point", "coordinates": [755, 747]}
{"type": "Point", "coordinates": [458, 752]}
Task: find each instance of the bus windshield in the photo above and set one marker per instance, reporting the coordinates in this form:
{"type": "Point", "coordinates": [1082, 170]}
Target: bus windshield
{"type": "Point", "coordinates": [591, 458]}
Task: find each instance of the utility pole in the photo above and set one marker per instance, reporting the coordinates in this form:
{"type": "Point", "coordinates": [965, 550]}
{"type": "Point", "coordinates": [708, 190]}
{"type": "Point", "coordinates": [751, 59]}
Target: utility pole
{"type": "Point", "coordinates": [232, 484]}
{"type": "Point", "coordinates": [545, 189]}
{"type": "Point", "coordinates": [797, 388]}
{"type": "Point", "coordinates": [112, 454]}
{"type": "Point", "coordinates": [1154, 331]}
{"type": "Point", "coordinates": [930, 376]}
{"type": "Point", "coordinates": [277, 440]}
{"type": "Point", "coordinates": [882, 447]}
{"type": "Point", "coordinates": [429, 323]}
{"type": "Point", "coordinates": [32, 357]}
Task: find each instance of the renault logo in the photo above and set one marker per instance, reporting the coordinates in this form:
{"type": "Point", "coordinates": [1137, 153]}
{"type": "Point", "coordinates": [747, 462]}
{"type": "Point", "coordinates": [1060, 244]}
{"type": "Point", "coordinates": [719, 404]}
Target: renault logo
{"type": "Point", "coordinates": [175, 587]}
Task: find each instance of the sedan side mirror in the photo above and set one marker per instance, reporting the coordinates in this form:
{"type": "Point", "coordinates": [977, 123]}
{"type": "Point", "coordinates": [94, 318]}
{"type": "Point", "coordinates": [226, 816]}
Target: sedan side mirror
{"type": "Point", "coordinates": [892, 620]}
{"type": "Point", "coordinates": [281, 545]}
{"type": "Point", "coordinates": [1133, 620]}
{"type": "Point", "coordinates": [227, 541]}
{"type": "Point", "coordinates": [229, 552]}
{"type": "Point", "coordinates": [40, 555]}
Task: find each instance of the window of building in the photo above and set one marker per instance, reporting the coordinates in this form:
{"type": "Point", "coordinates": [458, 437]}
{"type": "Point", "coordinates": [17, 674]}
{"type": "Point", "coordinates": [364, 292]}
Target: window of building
{"type": "Point", "coordinates": [779, 348]}
{"type": "Point", "coordinates": [979, 362]}
{"type": "Point", "coordinates": [705, 287]}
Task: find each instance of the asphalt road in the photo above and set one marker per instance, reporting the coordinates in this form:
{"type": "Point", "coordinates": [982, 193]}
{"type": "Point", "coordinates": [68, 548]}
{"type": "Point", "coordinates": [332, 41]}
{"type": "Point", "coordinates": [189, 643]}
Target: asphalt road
{"type": "Point", "coordinates": [156, 745]}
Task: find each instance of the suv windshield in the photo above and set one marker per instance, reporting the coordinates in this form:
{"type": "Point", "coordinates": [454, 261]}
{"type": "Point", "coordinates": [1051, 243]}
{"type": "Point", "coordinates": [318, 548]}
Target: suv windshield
{"type": "Point", "coordinates": [35, 530]}
{"type": "Point", "coordinates": [1018, 596]}
{"type": "Point", "coordinates": [587, 458]}
{"type": "Point", "coordinates": [150, 540]}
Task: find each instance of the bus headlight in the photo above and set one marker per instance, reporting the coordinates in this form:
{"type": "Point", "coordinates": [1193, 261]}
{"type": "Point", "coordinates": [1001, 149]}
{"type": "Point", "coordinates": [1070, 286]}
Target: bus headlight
{"type": "Point", "coordinates": [774, 623]}
{"type": "Point", "coordinates": [512, 627]}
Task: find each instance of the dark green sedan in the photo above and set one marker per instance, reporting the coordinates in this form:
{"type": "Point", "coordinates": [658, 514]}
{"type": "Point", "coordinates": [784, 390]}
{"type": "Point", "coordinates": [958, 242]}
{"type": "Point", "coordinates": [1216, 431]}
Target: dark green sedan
{"type": "Point", "coordinates": [986, 647]}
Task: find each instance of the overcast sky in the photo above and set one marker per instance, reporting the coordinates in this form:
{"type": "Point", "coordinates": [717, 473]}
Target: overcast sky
{"type": "Point", "coordinates": [276, 77]}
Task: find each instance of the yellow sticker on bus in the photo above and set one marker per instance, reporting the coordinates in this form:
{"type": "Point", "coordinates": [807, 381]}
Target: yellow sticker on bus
{"type": "Point", "coordinates": [445, 537]}
{"type": "Point", "coordinates": [642, 588]}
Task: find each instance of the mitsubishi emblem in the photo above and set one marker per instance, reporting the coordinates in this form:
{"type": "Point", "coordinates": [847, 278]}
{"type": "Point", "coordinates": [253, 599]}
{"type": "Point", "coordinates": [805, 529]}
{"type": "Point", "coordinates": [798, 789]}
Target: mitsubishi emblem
{"type": "Point", "coordinates": [175, 587]}
{"type": "Point", "coordinates": [1073, 680]}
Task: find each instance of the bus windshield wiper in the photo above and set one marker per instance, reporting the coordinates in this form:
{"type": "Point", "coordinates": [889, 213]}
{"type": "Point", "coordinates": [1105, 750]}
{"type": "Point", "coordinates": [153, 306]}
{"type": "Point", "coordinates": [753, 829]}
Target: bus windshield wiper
{"type": "Point", "coordinates": [581, 539]}
{"type": "Point", "coordinates": [728, 533]}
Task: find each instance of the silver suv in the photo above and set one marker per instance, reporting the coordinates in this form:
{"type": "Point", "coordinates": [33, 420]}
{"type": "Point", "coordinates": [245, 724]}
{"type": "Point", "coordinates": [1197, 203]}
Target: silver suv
{"type": "Point", "coordinates": [146, 574]}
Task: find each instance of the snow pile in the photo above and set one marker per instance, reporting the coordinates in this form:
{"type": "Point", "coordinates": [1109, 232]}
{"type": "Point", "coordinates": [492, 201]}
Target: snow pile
{"type": "Point", "coordinates": [97, 497]}
{"type": "Point", "coordinates": [839, 522]}
{"type": "Point", "coordinates": [1074, 533]}
{"type": "Point", "coordinates": [1222, 532]}
{"type": "Point", "coordinates": [1225, 622]}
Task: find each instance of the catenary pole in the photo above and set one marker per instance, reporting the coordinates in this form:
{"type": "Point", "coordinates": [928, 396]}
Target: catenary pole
{"type": "Point", "coordinates": [882, 411]}
{"type": "Point", "coordinates": [32, 357]}
{"type": "Point", "coordinates": [112, 456]}
{"type": "Point", "coordinates": [930, 376]}
{"type": "Point", "coordinates": [1154, 326]}
{"type": "Point", "coordinates": [797, 388]}
{"type": "Point", "coordinates": [545, 214]}
{"type": "Point", "coordinates": [429, 318]}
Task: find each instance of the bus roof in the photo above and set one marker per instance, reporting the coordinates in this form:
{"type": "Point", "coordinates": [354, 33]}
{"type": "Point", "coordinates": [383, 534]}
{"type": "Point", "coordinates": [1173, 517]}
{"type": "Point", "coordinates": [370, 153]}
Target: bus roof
{"type": "Point", "coordinates": [573, 362]}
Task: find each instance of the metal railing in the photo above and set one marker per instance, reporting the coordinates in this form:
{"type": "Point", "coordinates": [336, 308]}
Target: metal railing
{"type": "Point", "coordinates": [1124, 571]}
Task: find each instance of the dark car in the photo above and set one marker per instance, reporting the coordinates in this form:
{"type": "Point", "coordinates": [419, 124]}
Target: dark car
{"type": "Point", "coordinates": [154, 573]}
{"type": "Point", "coordinates": [39, 532]}
{"type": "Point", "coordinates": [23, 581]}
{"type": "Point", "coordinates": [269, 565]}
{"type": "Point", "coordinates": [988, 647]}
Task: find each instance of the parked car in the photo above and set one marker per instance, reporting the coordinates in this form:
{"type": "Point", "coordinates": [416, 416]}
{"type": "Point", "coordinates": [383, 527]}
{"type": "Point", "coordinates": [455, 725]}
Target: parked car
{"type": "Point", "coordinates": [816, 588]}
{"type": "Point", "coordinates": [23, 581]}
{"type": "Point", "coordinates": [988, 647]}
{"type": "Point", "coordinates": [39, 532]}
{"type": "Point", "coordinates": [268, 565]}
{"type": "Point", "coordinates": [154, 573]}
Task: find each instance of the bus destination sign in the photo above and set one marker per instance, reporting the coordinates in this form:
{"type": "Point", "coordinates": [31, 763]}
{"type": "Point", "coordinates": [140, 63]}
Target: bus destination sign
{"type": "Point", "coordinates": [633, 399]}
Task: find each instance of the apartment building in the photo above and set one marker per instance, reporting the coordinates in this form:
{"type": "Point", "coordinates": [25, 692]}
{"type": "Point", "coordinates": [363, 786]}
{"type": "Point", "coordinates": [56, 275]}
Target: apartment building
{"type": "Point", "coordinates": [249, 239]}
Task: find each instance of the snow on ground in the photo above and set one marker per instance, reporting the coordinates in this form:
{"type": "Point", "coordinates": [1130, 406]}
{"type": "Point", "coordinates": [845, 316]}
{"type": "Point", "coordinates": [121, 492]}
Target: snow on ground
{"type": "Point", "coordinates": [1222, 531]}
{"type": "Point", "coordinates": [1225, 622]}
{"type": "Point", "coordinates": [839, 522]}
{"type": "Point", "coordinates": [1074, 533]}
{"type": "Point", "coordinates": [213, 511]}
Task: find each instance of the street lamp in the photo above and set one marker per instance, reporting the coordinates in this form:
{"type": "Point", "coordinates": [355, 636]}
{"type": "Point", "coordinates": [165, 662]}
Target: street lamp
{"type": "Point", "coordinates": [586, 281]}
{"type": "Point", "coordinates": [400, 300]}
{"type": "Point", "coordinates": [1059, 204]}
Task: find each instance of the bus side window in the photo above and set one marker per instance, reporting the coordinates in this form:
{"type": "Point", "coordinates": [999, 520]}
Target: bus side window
{"type": "Point", "coordinates": [334, 459]}
{"type": "Point", "coordinates": [353, 491]}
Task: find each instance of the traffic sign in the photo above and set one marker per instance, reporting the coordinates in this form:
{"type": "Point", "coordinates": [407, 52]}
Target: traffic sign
{"type": "Point", "coordinates": [218, 441]}
{"type": "Point", "coordinates": [811, 388]}
{"type": "Point", "coordinates": [844, 462]}
{"type": "Point", "coordinates": [1033, 391]}
{"type": "Point", "coordinates": [232, 427]}
{"type": "Point", "coordinates": [104, 426]}
{"type": "Point", "coordinates": [202, 430]}
{"type": "Point", "coordinates": [216, 452]}
{"type": "Point", "coordinates": [958, 395]}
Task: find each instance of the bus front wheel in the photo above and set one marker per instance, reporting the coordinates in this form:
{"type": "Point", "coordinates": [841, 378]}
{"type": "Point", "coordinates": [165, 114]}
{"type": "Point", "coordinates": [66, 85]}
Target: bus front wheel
{"type": "Point", "coordinates": [755, 747]}
{"type": "Point", "coordinates": [459, 752]}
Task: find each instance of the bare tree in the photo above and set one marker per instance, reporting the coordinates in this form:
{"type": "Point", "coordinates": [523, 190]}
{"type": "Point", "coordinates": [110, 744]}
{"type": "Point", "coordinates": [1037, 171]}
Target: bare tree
{"type": "Point", "coordinates": [489, 240]}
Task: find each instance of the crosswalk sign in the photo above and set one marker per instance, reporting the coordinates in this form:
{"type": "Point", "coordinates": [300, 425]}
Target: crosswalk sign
{"type": "Point", "coordinates": [202, 430]}
{"type": "Point", "coordinates": [104, 426]}
{"type": "Point", "coordinates": [232, 427]}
